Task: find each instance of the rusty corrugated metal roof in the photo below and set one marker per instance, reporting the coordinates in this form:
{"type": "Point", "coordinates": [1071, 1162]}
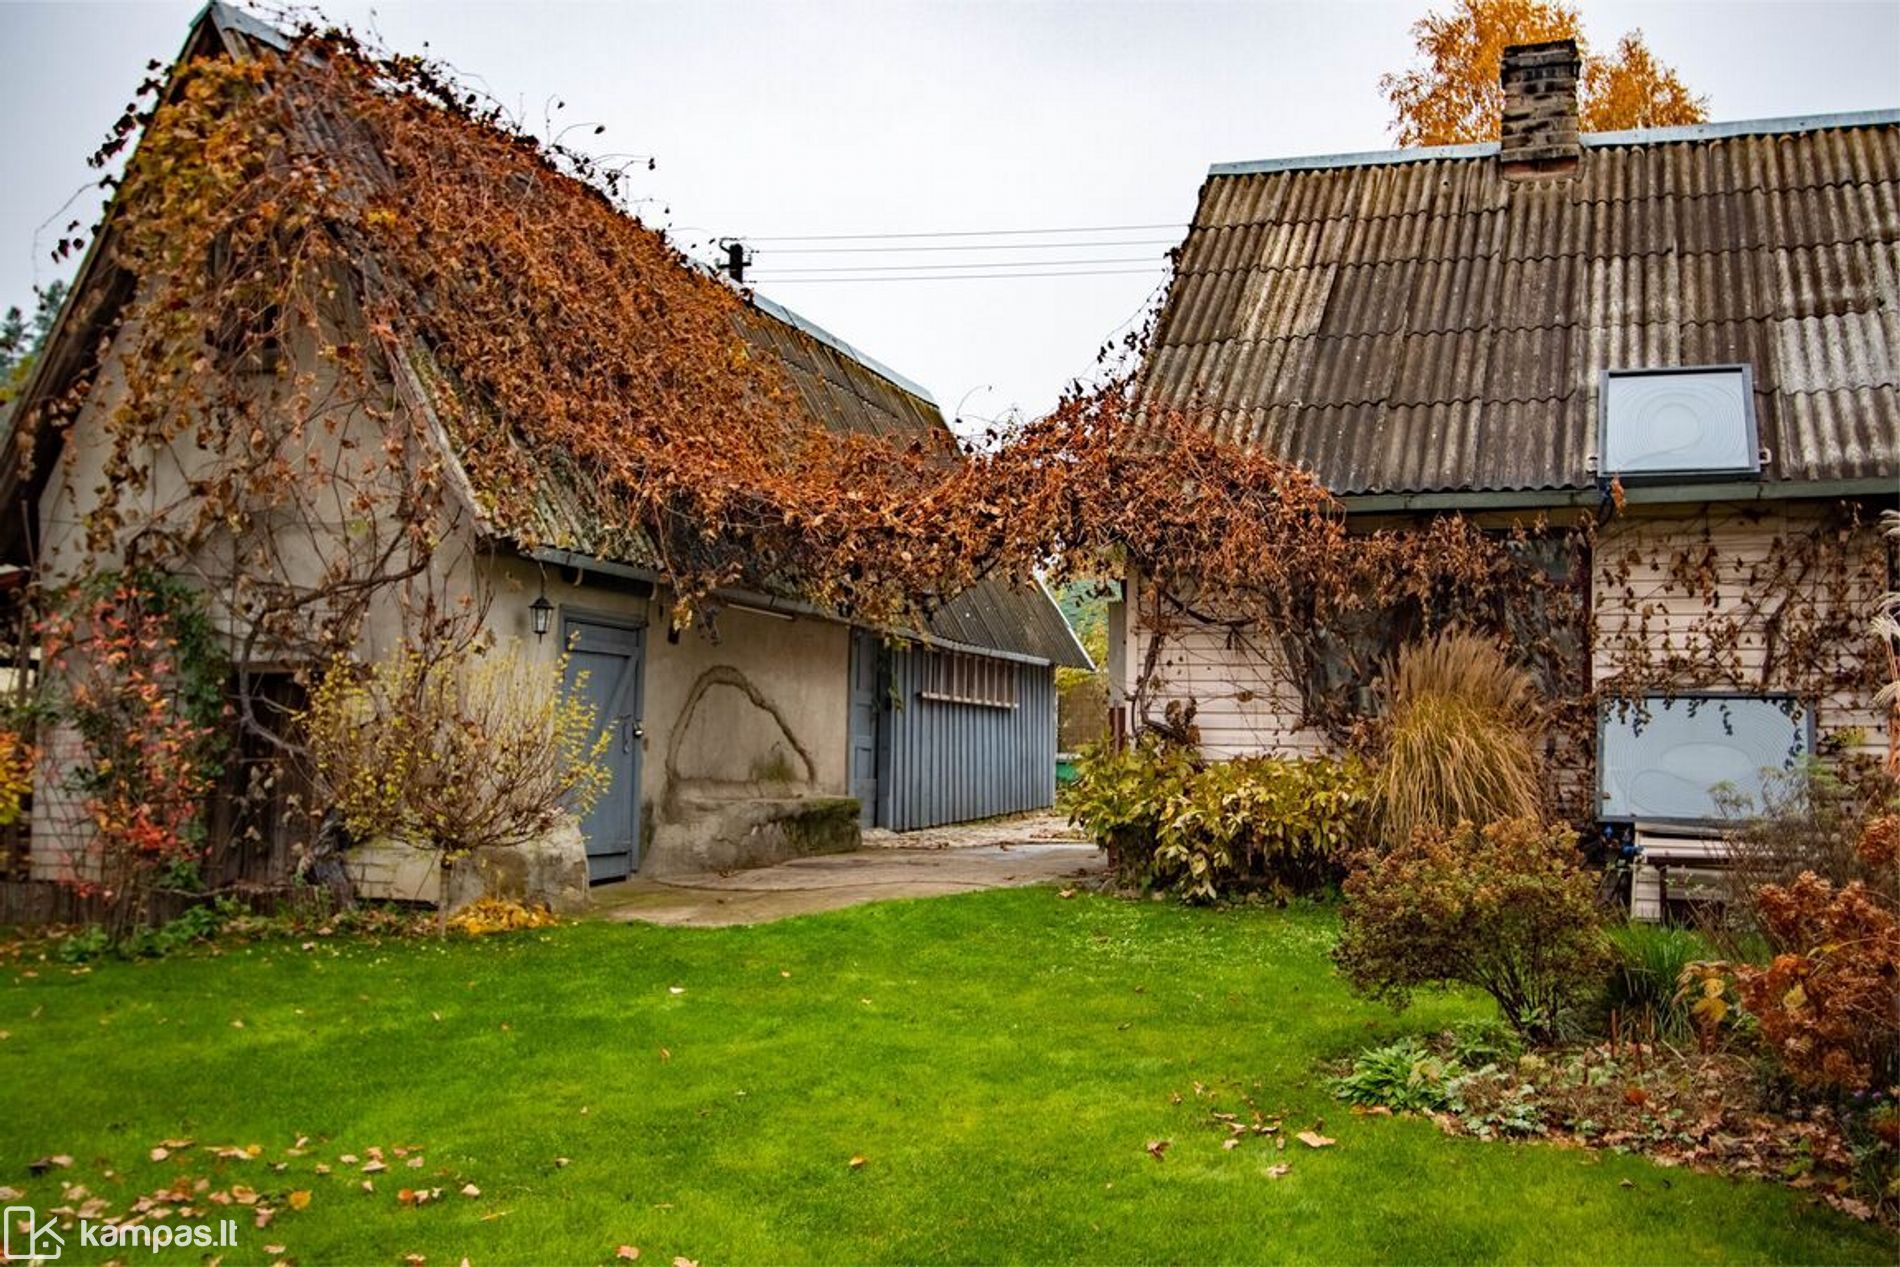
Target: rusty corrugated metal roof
{"type": "Point", "coordinates": [1412, 322]}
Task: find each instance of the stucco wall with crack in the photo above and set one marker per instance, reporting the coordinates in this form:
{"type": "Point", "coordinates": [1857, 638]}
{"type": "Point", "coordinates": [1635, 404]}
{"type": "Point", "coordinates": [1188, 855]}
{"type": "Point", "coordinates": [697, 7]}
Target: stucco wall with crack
{"type": "Point", "coordinates": [758, 712]}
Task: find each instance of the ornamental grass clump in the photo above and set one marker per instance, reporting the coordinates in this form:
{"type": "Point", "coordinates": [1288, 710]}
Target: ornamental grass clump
{"type": "Point", "coordinates": [1648, 963]}
{"type": "Point", "coordinates": [1459, 743]}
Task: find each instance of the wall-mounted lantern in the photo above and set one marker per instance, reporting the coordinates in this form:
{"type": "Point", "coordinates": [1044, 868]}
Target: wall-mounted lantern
{"type": "Point", "coordinates": [541, 611]}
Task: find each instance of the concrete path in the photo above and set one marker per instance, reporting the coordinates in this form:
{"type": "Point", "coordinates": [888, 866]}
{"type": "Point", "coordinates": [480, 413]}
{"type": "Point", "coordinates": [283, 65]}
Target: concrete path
{"type": "Point", "coordinates": [960, 860]}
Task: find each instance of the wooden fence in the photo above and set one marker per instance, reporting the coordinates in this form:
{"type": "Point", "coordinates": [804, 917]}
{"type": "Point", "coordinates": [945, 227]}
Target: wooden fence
{"type": "Point", "coordinates": [30, 902]}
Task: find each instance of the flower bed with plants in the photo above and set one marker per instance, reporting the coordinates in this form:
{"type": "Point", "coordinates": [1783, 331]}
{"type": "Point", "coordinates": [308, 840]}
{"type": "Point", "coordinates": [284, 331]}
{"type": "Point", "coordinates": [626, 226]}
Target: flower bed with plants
{"type": "Point", "coordinates": [1766, 1043]}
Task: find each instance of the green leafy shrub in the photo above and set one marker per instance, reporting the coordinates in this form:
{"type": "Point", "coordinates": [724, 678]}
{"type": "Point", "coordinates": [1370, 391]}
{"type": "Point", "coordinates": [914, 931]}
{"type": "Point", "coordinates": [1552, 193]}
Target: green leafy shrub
{"type": "Point", "coordinates": [1120, 795]}
{"type": "Point", "coordinates": [83, 944]}
{"type": "Point", "coordinates": [1284, 824]}
{"type": "Point", "coordinates": [1477, 1043]}
{"type": "Point", "coordinates": [1459, 741]}
{"type": "Point", "coordinates": [195, 926]}
{"type": "Point", "coordinates": [1170, 821]}
{"type": "Point", "coordinates": [1404, 1075]}
{"type": "Point", "coordinates": [1505, 908]}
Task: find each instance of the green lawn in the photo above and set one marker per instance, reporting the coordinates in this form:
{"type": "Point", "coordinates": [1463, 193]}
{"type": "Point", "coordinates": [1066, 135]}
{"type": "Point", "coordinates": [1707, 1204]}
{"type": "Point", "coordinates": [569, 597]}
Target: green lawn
{"type": "Point", "coordinates": [1000, 1061]}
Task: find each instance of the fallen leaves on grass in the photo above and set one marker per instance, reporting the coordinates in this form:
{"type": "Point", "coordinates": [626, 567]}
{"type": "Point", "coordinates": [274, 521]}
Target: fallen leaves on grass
{"type": "Point", "coordinates": [300, 1199]}
{"type": "Point", "coordinates": [627, 1252]}
{"type": "Point", "coordinates": [1156, 1147]}
{"type": "Point", "coordinates": [856, 1162]}
{"type": "Point", "coordinates": [499, 915]}
{"type": "Point", "coordinates": [1849, 1206]}
{"type": "Point", "coordinates": [1239, 1126]}
{"type": "Point", "coordinates": [1313, 1139]}
{"type": "Point", "coordinates": [1278, 1170]}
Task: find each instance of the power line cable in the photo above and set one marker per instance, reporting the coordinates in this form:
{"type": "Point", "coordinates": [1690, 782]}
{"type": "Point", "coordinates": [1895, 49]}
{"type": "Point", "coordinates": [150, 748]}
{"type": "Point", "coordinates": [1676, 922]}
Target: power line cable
{"type": "Point", "coordinates": [947, 268]}
{"type": "Point", "coordinates": [969, 246]}
{"type": "Point", "coordinates": [956, 277]}
{"type": "Point", "coordinates": [964, 233]}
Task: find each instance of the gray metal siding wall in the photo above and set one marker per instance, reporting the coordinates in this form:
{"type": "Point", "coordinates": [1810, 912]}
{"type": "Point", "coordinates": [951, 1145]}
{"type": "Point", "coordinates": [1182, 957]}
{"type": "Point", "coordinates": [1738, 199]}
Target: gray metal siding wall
{"type": "Point", "coordinates": [949, 763]}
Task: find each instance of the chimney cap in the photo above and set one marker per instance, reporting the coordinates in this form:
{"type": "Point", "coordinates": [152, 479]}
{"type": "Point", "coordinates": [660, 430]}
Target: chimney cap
{"type": "Point", "coordinates": [1543, 53]}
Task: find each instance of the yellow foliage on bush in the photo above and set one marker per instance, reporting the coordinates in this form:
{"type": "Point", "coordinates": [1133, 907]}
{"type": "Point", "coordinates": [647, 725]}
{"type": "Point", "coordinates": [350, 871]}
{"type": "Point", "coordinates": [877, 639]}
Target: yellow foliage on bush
{"type": "Point", "coordinates": [499, 915]}
{"type": "Point", "coordinates": [474, 749]}
{"type": "Point", "coordinates": [16, 775]}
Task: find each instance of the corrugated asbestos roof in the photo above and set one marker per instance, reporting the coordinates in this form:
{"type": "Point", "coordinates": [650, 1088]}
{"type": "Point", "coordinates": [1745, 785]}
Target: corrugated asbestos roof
{"type": "Point", "coordinates": [1413, 322]}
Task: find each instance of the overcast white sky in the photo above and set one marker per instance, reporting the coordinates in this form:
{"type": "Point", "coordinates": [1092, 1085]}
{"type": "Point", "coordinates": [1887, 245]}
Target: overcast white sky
{"type": "Point", "coordinates": [773, 120]}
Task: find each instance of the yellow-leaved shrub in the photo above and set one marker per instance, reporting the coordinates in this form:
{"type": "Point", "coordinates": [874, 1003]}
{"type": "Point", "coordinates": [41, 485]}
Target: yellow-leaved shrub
{"type": "Point", "coordinates": [474, 749]}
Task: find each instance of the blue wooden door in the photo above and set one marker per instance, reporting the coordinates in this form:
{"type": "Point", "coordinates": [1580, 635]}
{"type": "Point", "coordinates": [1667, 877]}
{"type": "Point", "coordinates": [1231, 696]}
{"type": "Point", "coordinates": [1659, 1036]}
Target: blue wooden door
{"type": "Point", "coordinates": [865, 650]}
{"type": "Point", "coordinates": [605, 664]}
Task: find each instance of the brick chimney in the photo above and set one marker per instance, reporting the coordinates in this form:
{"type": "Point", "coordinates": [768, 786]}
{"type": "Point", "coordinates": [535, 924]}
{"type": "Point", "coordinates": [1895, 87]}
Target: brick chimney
{"type": "Point", "coordinates": [1540, 109]}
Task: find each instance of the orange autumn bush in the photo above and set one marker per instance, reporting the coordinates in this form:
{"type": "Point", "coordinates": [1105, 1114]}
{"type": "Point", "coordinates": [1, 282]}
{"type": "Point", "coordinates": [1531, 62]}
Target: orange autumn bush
{"type": "Point", "coordinates": [1829, 1007]}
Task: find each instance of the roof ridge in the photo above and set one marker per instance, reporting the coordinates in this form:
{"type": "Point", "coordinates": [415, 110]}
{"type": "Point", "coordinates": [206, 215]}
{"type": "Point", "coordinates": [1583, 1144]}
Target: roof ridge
{"type": "Point", "coordinates": [773, 308]}
{"type": "Point", "coordinates": [1591, 140]}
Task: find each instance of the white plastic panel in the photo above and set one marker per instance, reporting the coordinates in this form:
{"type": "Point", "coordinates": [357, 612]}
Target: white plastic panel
{"type": "Point", "coordinates": [1678, 422]}
{"type": "Point", "coordinates": [1662, 761]}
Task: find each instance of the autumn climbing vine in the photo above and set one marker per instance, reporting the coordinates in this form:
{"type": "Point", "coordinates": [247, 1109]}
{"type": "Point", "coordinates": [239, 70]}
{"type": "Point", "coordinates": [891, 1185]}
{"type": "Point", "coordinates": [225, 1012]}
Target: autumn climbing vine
{"type": "Point", "coordinates": [372, 311]}
{"type": "Point", "coordinates": [139, 675]}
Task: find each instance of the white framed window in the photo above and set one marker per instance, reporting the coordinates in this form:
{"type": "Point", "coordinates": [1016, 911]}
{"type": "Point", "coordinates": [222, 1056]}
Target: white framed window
{"type": "Point", "coordinates": [1664, 758]}
{"type": "Point", "coordinates": [1693, 420]}
{"type": "Point", "coordinates": [952, 677]}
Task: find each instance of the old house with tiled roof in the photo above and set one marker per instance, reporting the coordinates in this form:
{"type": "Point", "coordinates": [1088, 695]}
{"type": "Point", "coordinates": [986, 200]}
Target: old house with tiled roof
{"type": "Point", "coordinates": [1692, 333]}
{"type": "Point", "coordinates": [770, 727]}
